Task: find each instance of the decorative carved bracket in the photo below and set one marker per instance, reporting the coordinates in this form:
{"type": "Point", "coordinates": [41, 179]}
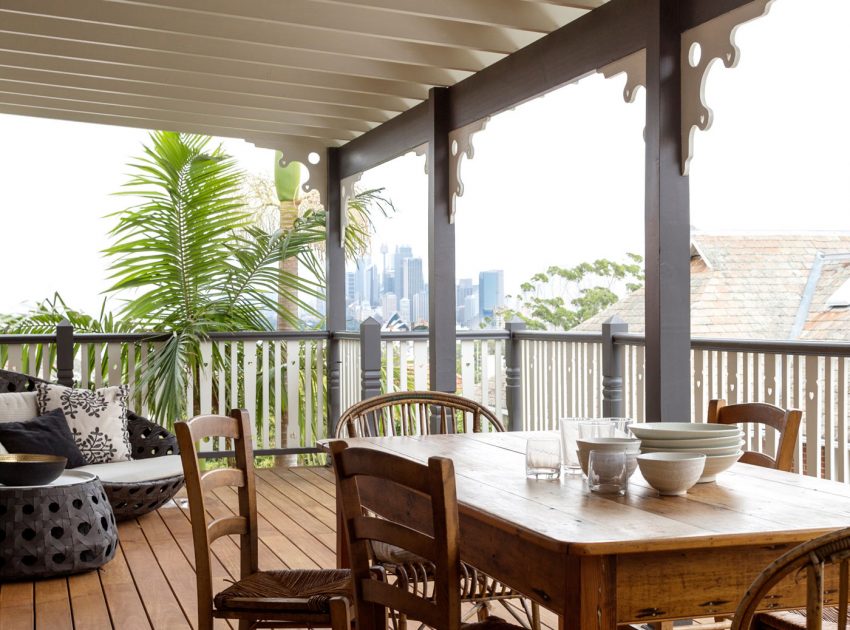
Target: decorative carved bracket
{"type": "Point", "coordinates": [422, 149]}
{"type": "Point", "coordinates": [701, 47]}
{"type": "Point", "coordinates": [634, 66]}
{"type": "Point", "coordinates": [346, 192]}
{"type": "Point", "coordinates": [460, 144]}
{"type": "Point", "coordinates": [302, 152]}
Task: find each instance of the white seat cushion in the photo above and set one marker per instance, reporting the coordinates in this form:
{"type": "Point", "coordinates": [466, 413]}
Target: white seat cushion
{"type": "Point", "coordinates": [137, 470]}
{"type": "Point", "coordinates": [17, 407]}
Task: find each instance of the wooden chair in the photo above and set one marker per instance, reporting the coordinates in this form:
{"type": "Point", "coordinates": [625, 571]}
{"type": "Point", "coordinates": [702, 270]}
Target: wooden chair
{"type": "Point", "coordinates": [436, 539]}
{"type": "Point", "coordinates": [412, 413]}
{"type": "Point", "coordinates": [786, 423]}
{"type": "Point", "coordinates": [283, 598]}
{"type": "Point", "coordinates": [806, 562]}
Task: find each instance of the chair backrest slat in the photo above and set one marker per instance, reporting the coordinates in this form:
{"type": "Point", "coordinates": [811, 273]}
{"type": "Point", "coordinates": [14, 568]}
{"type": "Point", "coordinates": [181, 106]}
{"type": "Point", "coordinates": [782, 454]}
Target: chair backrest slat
{"type": "Point", "coordinates": [786, 423]}
{"type": "Point", "coordinates": [236, 427]}
{"type": "Point", "coordinates": [434, 483]}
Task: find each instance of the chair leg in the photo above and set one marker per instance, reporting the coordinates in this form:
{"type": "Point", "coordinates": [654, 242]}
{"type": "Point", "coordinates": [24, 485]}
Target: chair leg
{"type": "Point", "coordinates": [340, 616]}
{"type": "Point", "coordinates": [483, 611]}
{"type": "Point", "coordinates": [535, 616]}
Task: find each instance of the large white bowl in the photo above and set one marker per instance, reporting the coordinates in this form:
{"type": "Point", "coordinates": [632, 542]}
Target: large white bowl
{"type": "Point", "coordinates": [672, 474]}
{"type": "Point", "coordinates": [682, 430]}
{"type": "Point", "coordinates": [723, 450]}
{"type": "Point", "coordinates": [718, 442]}
{"type": "Point", "coordinates": [630, 446]}
{"type": "Point", "coordinates": [716, 464]}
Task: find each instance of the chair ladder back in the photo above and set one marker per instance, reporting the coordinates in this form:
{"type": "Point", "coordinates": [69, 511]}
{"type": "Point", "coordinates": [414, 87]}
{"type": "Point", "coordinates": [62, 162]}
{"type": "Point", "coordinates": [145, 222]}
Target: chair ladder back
{"type": "Point", "coordinates": [236, 427]}
{"type": "Point", "coordinates": [785, 422]}
{"type": "Point", "coordinates": [435, 482]}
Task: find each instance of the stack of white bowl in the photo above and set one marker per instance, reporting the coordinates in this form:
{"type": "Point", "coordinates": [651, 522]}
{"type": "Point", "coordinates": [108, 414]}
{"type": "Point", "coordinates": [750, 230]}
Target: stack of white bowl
{"type": "Point", "coordinates": [720, 443]}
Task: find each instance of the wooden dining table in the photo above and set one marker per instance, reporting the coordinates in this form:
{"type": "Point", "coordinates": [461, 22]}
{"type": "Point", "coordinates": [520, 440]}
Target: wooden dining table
{"type": "Point", "coordinates": [601, 560]}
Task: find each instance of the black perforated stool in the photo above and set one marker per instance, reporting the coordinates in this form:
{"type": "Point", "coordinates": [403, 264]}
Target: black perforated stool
{"type": "Point", "coordinates": [62, 528]}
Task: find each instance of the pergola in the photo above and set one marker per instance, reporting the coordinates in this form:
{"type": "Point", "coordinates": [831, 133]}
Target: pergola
{"type": "Point", "coordinates": [360, 82]}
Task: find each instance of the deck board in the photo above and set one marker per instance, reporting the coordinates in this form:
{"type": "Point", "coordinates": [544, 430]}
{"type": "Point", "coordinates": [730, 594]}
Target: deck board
{"type": "Point", "coordinates": [150, 584]}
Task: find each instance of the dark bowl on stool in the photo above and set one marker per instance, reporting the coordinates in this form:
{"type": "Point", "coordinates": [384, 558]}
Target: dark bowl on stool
{"type": "Point", "coordinates": [23, 469]}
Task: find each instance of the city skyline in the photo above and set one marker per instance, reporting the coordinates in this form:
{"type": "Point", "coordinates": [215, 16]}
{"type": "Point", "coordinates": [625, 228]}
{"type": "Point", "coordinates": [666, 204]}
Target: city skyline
{"type": "Point", "coordinates": [397, 295]}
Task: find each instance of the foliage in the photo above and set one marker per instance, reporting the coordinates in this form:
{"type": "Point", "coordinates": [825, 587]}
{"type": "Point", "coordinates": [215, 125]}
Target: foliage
{"type": "Point", "coordinates": [561, 298]}
{"type": "Point", "coordinates": [191, 259]}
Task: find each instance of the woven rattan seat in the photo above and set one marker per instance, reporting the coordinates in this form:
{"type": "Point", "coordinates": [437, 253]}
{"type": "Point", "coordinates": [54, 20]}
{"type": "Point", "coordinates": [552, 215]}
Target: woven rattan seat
{"type": "Point", "coordinates": [310, 590]}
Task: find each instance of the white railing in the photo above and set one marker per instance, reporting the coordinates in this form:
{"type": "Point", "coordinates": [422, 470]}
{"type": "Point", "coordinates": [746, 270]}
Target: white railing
{"type": "Point", "coordinates": [275, 376]}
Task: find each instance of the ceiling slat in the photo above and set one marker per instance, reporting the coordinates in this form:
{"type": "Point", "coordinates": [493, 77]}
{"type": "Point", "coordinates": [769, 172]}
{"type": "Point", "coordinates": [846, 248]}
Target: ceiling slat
{"type": "Point", "coordinates": [198, 54]}
{"type": "Point", "coordinates": [13, 70]}
{"type": "Point", "coordinates": [348, 18]}
{"type": "Point", "coordinates": [274, 40]}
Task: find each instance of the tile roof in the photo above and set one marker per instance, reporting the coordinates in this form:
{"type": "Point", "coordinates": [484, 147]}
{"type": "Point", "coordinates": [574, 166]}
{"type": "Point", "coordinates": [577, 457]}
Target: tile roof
{"type": "Point", "coordinates": [753, 286]}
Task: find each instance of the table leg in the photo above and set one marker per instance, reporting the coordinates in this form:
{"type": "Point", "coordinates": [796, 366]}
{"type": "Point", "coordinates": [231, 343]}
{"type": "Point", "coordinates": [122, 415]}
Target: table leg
{"type": "Point", "coordinates": [591, 595]}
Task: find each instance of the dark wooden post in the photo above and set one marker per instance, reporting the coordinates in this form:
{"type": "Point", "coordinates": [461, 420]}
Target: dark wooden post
{"type": "Point", "coordinates": [442, 349]}
{"type": "Point", "coordinates": [612, 368]}
{"type": "Point", "coordinates": [513, 374]}
{"type": "Point", "coordinates": [370, 358]}
{"type": "Point", "coordinates": [668, 330]}
{"type": "Point", "coordinates": [65, 353]}
{"type": "Point", "coordinates": [335, 290]}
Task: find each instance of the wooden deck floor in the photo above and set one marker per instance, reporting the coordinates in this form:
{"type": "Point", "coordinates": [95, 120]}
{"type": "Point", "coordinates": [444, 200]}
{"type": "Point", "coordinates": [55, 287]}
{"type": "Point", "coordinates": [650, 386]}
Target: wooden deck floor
{"type": "Point", "coordinates": [151, 581]}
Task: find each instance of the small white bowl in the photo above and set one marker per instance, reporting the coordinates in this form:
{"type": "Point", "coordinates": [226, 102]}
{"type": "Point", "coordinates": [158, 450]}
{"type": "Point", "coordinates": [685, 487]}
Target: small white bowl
{"type": "Point", "coordinates": [630, 446]}
{"type": "Point", "coordinates": [672, 474]}
{"type": "Point", "coordinates": [714, 465]}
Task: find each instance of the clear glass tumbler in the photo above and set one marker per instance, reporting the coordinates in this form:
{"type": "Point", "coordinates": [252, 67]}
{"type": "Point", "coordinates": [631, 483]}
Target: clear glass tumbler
{"type": "Point", "coordinates": [569, 448]}
{"type": "Point", "coordinates": [596, 428]}
{"type": "Point", "coordinates": [543, 457]}
{"type": "Point", "coordinates": [607, 472]}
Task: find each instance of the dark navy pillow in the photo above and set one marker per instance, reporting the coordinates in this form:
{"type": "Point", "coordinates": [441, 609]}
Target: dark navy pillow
{"type": "Point", "coordinates": [46, 435]}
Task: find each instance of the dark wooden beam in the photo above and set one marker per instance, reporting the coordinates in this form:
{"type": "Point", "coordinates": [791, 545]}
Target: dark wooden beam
{"type": "Point", "coordinates": [335, 281]}
{"type": "Point", "coordinates": [395, 137]}
{"type": "Point", "coordinates": [441, 248]}
{"type": "Point", "coordinates": [695, 12]}
{"type": "Point", "coordinates": [608, 33]}
{"type": "Point", "coordinates": [668, 331]}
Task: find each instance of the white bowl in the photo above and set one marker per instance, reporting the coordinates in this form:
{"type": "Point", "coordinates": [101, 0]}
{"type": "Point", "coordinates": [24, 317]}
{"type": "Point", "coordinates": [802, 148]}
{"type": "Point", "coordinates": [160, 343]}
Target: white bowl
{"type": "Point", "coordinates": [630, 446]}
{"type": "Point", "coordinates": [682, 430]}
{"type": "Point", "coordinates": [671, 473]}
{"type": "Point", "coordinates": [723, 450]}
{"type": "Point", "coordinates": [718, 442]}
{"type": "Point", "coordinates": [716, 464]}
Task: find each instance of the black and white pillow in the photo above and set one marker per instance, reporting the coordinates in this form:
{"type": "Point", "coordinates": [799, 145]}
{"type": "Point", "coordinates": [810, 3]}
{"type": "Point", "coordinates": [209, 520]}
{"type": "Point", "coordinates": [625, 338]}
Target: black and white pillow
{"type": "Point", "coordinates": [97, 419]}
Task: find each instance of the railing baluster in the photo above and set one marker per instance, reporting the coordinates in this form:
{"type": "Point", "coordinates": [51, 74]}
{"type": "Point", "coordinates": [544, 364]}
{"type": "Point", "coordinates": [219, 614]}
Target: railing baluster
{"type": "Point", "coordinates": [828, 425]}
{"type": "Point", "coordinates": [485, 372]}
{"type": "Point", "coordinates": [813, 425]}
{"type": "Point", "coordinates": [278, 396]}
{"type": "Point", "coordinates": [249, 369]}
{"type": "Point", "coordinates": [467, 368]}
{"type": "Point", "coordinates": [841, 415]}
{"type": "Point", "coordinates": [420, 368]}
{"type": "Point", "coordinates": [293, 432]}
{"type": "Point", "coordinates": [307, 376]}
{"type": "Point", "coordinates": [264, 392]}
{"type": "Point", "coordinates": [321, 416]}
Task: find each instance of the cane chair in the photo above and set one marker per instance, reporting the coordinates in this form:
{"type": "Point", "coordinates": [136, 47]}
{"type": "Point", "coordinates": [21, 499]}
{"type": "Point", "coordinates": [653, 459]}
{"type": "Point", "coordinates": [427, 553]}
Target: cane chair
{"type": "Point", "coordinates": [809, 563]}
{"type": "Point", "coordinates": [435, 602]}
{"type": "Point", "coordinates": [281, 598]}
{"type": "Point", "coordinates": [786, 423]}
{"type": "Point", "coordinates": [423, 413]}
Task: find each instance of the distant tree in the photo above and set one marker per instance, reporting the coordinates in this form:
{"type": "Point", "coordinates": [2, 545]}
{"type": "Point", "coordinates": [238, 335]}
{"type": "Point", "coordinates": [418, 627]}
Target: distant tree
{"type": "Point", "coordinates": [561, 298]}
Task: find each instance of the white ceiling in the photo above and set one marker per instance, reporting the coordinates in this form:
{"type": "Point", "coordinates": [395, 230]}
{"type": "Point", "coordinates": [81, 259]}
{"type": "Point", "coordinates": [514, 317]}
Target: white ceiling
{"type": "Point", "coordinates": [268, 71]}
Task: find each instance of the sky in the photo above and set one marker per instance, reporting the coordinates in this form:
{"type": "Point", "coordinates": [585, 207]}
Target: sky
{"type": "Point", "coordinates": [557, 180]}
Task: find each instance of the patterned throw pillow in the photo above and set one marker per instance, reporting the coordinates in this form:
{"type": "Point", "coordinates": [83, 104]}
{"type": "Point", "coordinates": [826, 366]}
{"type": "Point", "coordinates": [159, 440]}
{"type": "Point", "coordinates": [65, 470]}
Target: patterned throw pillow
{"type": "Point", "coordinates": [98, 419]}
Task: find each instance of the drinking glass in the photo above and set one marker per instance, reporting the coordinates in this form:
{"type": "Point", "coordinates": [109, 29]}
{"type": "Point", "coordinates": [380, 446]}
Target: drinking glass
{"type": "Point", "coordinates": [595, 428]}
{"type": "Point", "coordinates": [543, 457]}
{"type": "Point", "coordinates": [621, 426]}
{"type": "Point", "coordinates": [569, 435]}
{"type": "Point", "coordinates": [607, 472]}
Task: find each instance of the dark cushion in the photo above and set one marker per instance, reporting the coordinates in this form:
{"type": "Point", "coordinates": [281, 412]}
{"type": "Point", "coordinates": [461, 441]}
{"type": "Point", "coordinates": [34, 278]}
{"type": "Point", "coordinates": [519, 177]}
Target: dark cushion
{"type": "Point", "coordinates": [46, 435]}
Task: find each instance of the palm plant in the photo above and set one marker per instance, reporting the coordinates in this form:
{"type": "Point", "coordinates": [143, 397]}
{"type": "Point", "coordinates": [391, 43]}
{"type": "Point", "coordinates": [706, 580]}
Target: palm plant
{"type": "Point", "coordinates": [193, 263]}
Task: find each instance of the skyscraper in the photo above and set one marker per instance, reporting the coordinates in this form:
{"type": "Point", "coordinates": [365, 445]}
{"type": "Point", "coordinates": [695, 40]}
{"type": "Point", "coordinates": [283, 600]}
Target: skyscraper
{"type": "Point", "coordinates": [491, 291]}
{"type": "Point", "coordinates": [412, 280]}
{"type": "Point", "coordinates": [402, 252]}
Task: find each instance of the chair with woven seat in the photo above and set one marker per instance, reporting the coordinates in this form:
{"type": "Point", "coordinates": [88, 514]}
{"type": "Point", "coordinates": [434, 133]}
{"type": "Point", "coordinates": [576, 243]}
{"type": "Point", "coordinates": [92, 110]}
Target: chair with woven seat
{"type": "Point", "coordinates": [423, 413]}
{"type": "Point", "coordinates": [436, 539]}
{"type": "Point", "coordinates": [281, 598]}
{"type": "Point", "coordinates": [808, 562]}
{"type": "Point", "coordinates": [785, 421]}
